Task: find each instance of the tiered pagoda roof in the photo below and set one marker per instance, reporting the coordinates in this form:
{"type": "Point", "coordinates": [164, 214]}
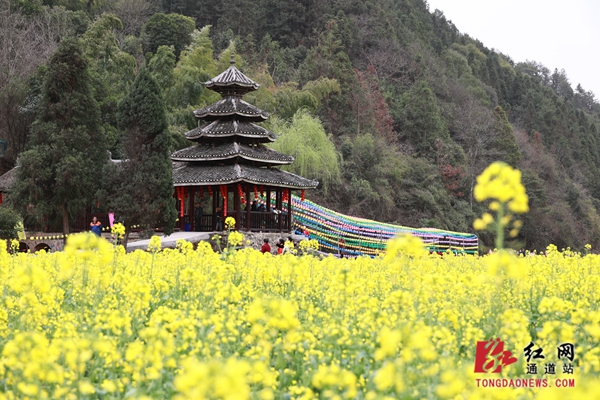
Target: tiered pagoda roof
{"type": "Point", "coordinates": [231, 106]}
{"type": "Point", "coordinates": [195, 174]}
{"type": "Point", "coordinates": [231, 150]}
{"type": "Point", "coordinates": [229, 145]}
{"type": "Point", "coordinates": [220, 129]}
{"type": "Point", "coordinates": [232, 81]}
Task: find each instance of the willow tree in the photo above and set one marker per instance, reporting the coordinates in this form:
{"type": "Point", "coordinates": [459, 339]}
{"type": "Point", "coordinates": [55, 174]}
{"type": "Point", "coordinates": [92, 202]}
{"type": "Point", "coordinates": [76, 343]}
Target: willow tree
{"type": "Point", "coordinates": [305, 139]}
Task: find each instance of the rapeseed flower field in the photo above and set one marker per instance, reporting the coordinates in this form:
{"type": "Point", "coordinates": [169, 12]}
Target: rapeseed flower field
{"type": "Point", "coordinates": [93, 322]}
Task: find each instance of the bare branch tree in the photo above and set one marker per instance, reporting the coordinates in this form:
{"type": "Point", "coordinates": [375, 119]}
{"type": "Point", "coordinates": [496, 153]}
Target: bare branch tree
{"type": "Point", "coordinates": [25, 44]}
{"type": "Point", "coordinates": [473, 128]}
{"type": "Point", "coordinates": [133, 14]}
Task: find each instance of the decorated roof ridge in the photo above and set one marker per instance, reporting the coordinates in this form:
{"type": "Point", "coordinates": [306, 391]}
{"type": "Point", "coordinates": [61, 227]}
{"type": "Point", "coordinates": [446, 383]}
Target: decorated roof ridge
{"type": "Point", "coordinates": [224, 151]}
{"type": "Point", "coordinates": [232, 78]}
{"type": "Point", "coordinates": [225, 128]}
{"type": "Point", "coordinates": [231, 106]}
{"type": "Point", "coordinates": [8, 179]}
{"type": "Point", "coordinates": [192, 174]}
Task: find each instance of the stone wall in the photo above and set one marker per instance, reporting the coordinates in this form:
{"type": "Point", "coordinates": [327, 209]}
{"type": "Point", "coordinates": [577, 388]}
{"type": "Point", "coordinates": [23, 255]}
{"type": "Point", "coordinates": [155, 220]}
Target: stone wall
{"type": "Point", "coordinates": [256, 239]}
{"type": "Point", "coordinates": [49, 241]}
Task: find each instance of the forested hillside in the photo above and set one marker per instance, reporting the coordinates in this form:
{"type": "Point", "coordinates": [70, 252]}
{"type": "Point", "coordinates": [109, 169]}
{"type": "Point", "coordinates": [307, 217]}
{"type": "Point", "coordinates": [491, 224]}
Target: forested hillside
{"type": "Point", "coordinates": [385, 102]}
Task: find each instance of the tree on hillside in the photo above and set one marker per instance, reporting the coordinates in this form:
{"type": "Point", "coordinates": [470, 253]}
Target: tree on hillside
{"type": "Point", "coordinates": [505, 142]}
{"type": "Point", "coordinates": [61, 172]}
{"type": "Point", "coordinates": [370, 107]}
{"type": "Point", "coordinates": [141, 188]}
{"type": "Point", "coordinates": [167, 30]}
{"type": "Point", "coordinates": [421, 121]}
{"type": "Point", "coordinates": [112, 71]}
{"type": "Point", "coordinates": [133, 14]}
{"type": "Point", "coordinates": [473, 128]}
{"type": "Point", "coordinates": [26, 42]}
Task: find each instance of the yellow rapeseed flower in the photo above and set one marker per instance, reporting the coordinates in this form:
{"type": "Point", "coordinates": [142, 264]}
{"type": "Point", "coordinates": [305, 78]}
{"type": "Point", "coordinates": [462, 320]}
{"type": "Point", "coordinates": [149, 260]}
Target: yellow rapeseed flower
{"type": "Point", "coordinates": [155, 244]}
{"type": "Point", "coordinates": [235, 238]}
{"type": "Point", "coordinates": [230, 222]}
{"type": "Point", "coordinates": [502, 184]}
{"type": "Point", "coordinates": [405, 244]}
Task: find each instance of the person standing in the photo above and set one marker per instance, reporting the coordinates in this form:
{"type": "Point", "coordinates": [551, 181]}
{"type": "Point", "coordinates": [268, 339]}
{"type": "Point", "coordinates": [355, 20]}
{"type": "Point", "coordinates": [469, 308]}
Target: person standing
{"type": "Point", "coordinates": [219, 219]}
{"type": "Point", "coordinates": [280, 246]}
{"type": "Point", "coordinates": [341, 247]}
{"type": "Point", "coordinates": [96, 226]}
{"type": "Point", "coordinates": [288, 246]}
{"type": "Point", "coordinates": [198, 217]}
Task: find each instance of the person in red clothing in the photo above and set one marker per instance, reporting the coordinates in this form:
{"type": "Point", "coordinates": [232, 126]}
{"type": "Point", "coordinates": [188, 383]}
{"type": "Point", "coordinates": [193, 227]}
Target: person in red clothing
{"type": "Point", "coordinates": [280, 246]}
{"type": "Point", "coordinates": [266, 248]}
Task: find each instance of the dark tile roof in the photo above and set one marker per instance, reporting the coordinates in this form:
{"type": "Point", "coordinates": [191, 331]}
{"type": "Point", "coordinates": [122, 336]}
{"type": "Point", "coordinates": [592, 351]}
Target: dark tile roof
{"type": "Point", "coordinates": [7, 180]}
{"type": "Point", "coordinates": [220, 128]}
{"type": "Point", "coordinates": [232, 80]}
{"type": "Point", "coordinates": [231, 106]}
{"type": "Point", "coordinates": [194, 174]}
{"type": "Point", "coordinates": [225, 151]}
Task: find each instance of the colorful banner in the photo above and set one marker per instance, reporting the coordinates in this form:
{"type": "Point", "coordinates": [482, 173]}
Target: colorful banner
{"type": "Point", "coordinates": [367, 237]}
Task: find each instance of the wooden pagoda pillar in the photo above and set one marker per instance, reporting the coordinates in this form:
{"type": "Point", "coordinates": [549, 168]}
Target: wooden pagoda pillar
{"type": "Point", "coordinates": [182, 207]}
{"type": "Point", "coordinates": [237, 207]}
{"type": "Point", "coordinates": [215, 198]}
{"type": "Point", "coordinates": [191, 210]}
{"type": "Point", "coordinates": [248, 204]}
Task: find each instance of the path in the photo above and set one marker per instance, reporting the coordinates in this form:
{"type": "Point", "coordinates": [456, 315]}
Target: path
{"type": "Point", "coordinates": [171, 240]}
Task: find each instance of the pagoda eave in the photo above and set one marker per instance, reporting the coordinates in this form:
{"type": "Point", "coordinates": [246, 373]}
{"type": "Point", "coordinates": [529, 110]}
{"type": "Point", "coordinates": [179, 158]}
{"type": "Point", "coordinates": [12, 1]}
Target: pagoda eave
{"type": "Point", "coordinates": [231, 106]}
{"type": "Point", "coordinates": [232, 78]}
{"type": "Point", "coordinates": [202, 175]}
{"type": "Point", "coordinates": [204, 152]}
{"type": "Point", "coordinates": [231, 157]}
{"type": "Point", "coordinates": [212, 116]}
{"type": "Point", "coordinates": [192, 135]}
{"type": "Point", "coordinates": [230, 128]}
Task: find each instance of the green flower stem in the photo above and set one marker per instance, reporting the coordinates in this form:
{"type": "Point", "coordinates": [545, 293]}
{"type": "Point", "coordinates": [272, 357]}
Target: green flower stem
{"type": "Point", "coordinates": [500, 228]}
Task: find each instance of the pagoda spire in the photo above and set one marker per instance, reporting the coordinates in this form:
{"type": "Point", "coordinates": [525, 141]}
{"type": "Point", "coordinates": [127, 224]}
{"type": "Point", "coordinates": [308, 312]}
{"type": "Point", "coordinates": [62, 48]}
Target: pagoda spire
{"type": "Point", "coordinates": [232, 82]}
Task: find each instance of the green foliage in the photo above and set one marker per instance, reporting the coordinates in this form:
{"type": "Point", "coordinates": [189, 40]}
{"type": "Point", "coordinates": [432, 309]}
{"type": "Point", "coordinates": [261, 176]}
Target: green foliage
{"type": "Point", "coordinates": [372, 171]}
{"type": "Point", "coordinates": [161, 67]}
{"type": "Point", "coordinates": [264, 97]}
{"type": "Point", "coordinates": [10, 222]}
{"type": "Point", "coordinates": [27, 7]}
{"type": "Point", "coordinates": [99, 39]}
{"type": "Point", "coordinates": [167, 30]}
{"type": "Point", "coordinates": [289, 99]}
{"type": "Point", "coordinates": [196, 66]}
{"type": "Point", "coordinates": [112, 71]}
{"type": "Point", "coordinates": [421, 122]}
{"type": "Point", "coordinates": [314, 152]}
{"type": "Point", "coordinates": [422, 197]}
{"type": "Point", "coordinates": [62, 170]}
{"type": "Point", "coordinates": [505, 141]}
{"type": "Point", "coordinates": [141, 188]}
